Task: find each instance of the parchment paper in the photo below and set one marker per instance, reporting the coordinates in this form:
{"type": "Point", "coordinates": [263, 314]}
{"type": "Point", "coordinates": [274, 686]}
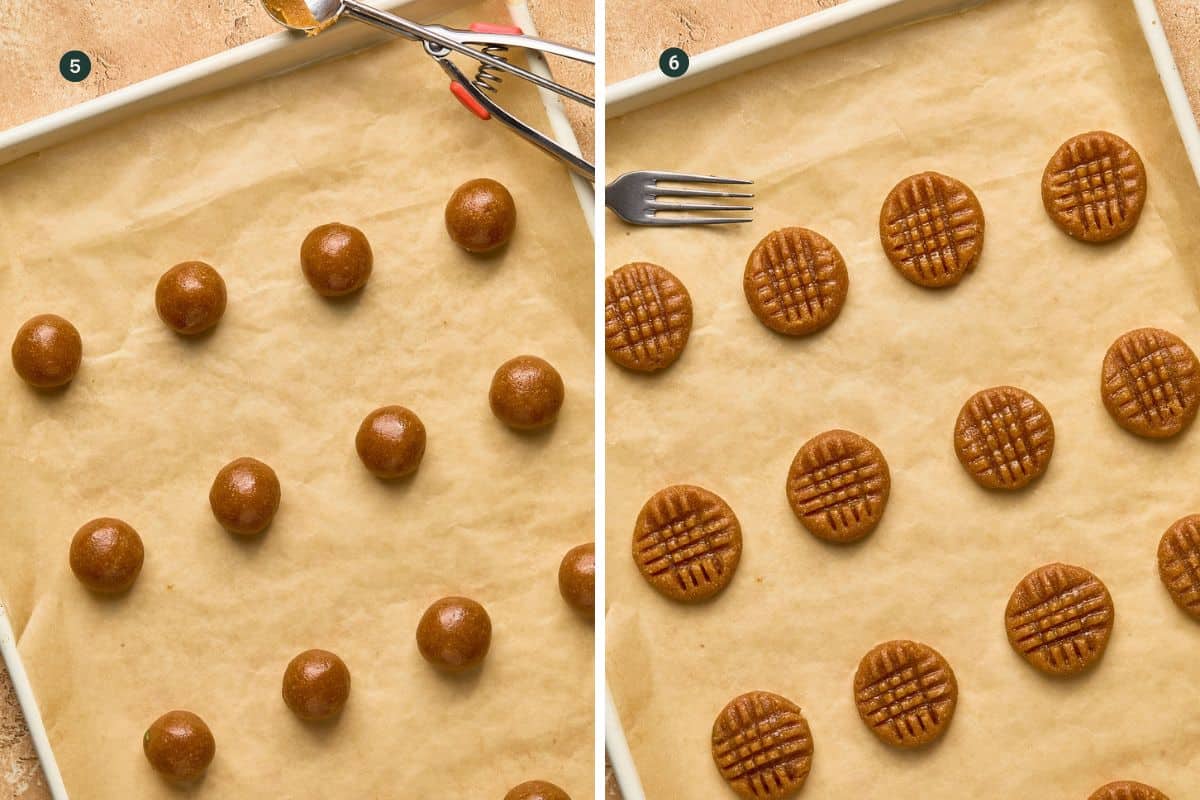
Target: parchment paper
{"type": "Point", "coordinates": [987, 97]}
{"type": "Point", "coordinates": [350, 563]}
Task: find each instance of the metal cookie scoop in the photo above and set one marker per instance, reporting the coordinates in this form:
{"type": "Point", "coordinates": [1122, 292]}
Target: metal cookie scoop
{"type": "Point", "coordinates": [485, 43]}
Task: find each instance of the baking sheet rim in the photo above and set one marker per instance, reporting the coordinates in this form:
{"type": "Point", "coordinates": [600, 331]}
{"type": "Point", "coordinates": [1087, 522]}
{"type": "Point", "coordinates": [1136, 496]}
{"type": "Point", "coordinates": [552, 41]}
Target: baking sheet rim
{"type": "Point", "coordinates": [238, 66]}
{"type": "Point", "coordinates": [271, 55]}
{"type": "Point", "coordinates": [33, 718]}
{"type": "Point", "coordinates": [867, 19]}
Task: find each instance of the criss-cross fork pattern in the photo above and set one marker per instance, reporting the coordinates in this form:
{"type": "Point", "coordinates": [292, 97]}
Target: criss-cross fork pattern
{"type": "Point", "coordinates": [644, 317]}
{"type": "Point", "coordinates": [688, 537]}
{"type": "Point", "coordinates": [1097, 184]}
{"type": "Point", "coordinates": [1127, 790]}
{"type": "Point", "coordinates": [1145, 379]}
{"type": "Point", "coordinates": [933, 227]}
{"type": "Point", "coordinates": [763, 743]}
{"type": "Point", "coordinates": [1007, 435]}
{"type": "Point", "coordinates": [796, 276]}
{"type": "Point", "coordinates": [840, 482]}
{"type": "Point", "coordinates": [1065, 620]}
{"type": "Point", "coordinates": [1179, 563]}
{"type": "Point", "coordinates": [909, 694]}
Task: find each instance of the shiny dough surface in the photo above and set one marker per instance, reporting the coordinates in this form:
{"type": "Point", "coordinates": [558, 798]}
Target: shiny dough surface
{"type": "Point", "coordinates": [986, 96]}
{"type": "Point", "coordinates": [350, 563]}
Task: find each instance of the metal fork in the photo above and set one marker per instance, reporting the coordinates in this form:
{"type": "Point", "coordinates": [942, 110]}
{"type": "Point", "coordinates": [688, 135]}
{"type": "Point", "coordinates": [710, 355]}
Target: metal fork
{"type": "Point", "coordinates": [634, 198]}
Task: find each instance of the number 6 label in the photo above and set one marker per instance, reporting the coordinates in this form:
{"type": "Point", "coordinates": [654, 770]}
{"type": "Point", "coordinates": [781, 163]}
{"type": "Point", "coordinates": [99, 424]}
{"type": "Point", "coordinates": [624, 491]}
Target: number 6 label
{"type": "Point", "coordinates": [673, 62]}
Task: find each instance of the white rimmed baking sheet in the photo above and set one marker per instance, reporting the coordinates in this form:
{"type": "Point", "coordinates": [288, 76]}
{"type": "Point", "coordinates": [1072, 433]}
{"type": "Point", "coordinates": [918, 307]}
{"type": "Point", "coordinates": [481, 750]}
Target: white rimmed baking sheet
{"type": "Point", "coordinates": [238, 178]}
{"type": "Point", "coordinates": [280, 52]}
{"type": "Point", "coordinates": [986, 96]}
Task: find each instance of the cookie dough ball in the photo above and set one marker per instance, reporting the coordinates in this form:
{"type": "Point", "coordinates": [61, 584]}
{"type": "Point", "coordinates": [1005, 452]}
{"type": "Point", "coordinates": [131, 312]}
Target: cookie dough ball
{"type": "Point", "coordinates": [179, 746]}
{"type": "Point", "coordinates": [316, 685]}
{"type": "Point", "coordinates": [47, 351]}
{"type": "Point", "coordinates": [245, 496]}
{"type": "Point", "coordinates": [107, 555]}
{"type": "Point", "coordinates": [391, 442]}
{"type": "Point", "coordinates": [336, 259]}
{"type": "Point", "coordinates": [190, 297]}
{"type": "Point", "coordinates": [454, 634]}
{"type": "Point", "coordinates": [536, 790]}
{"type": "Point", "coordinates": [481, 215]}
{"type": "Point", "coordinates": [526, 393]}
{"type": "Point", "coordinates": [577, 577]}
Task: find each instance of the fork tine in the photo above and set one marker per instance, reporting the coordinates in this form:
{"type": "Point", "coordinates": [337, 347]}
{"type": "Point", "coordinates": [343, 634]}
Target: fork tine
{"type": "Point", "coordinates": [684, 177]}
{"type": "Point", "coordinates": [635, 198]}
{"type": "Point", "coordinates": [694, 220]}
{"type": "Point", "coordinates": [669, 191]}
{"type": "Point", "coordinates": [657, 206]}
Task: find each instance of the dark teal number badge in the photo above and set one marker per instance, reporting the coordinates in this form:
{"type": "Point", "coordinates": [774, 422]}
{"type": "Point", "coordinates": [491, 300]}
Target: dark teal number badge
{"type": "Point", "coordinates": [673, 62]}
{"type": "Point", "coordinates": [75, 65]}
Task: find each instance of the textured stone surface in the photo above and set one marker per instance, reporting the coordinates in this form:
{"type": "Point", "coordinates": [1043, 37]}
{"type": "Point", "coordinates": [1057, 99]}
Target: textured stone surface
{"type": "Point", "coordinates": [131, 41]}
{"type": "Point", "coordinates": [571, 22]}
{"type": "Point", "coordinates": [638, 31]}
{"type": "Point", "coordinates": [20, 775]}
{"type": "Point", "coordinates": [128, 41]}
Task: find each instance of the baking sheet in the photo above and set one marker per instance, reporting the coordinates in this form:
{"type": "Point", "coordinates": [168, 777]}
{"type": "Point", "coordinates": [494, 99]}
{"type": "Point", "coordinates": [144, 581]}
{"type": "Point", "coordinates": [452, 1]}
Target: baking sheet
{"type": "Point", "coordinates": [350, 563]}
{"type": "Point", "coordinates": [985, 96]}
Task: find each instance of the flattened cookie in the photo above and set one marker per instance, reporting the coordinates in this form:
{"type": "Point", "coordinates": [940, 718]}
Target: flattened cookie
{"type": "Point", "coordinates": [1059, 619]}
{"type": "Point", "coordinates": [931, 227]}
{"type": "Point", "coordinates": [838, 486]}
{"type": "Point", "coordinates": [687, 543]}
{"type": "Point", "coordinates": [762, 746]}
{"type": "Point", "coordinates": [795, 281]}
{"type": "Point", "coordinates": [1127, 790]}
{"type": "Point", "coordinates": [536, 790]}
{"type": "Point", "coordinates": [647, 317]}
{"type": "Point", "coordinates": [1179, 563]}
{"type": "Point", "coordinates": [1149, 383]}
{"type": "Point", "coordinates": [1094, 186]}
{"type": "Point", "coordinates": [906, 693]}
{"type": "Point", "coordinates": [1004, 437]}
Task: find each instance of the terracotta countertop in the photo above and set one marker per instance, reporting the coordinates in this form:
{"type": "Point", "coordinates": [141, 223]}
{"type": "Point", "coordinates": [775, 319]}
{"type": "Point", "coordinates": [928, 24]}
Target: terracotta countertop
{"type": "Point", "coordinates": [20, 774]}
{"type": "Point", "coordinates": [130, 41]}
{"type": "Point", "coordinates": [637, 31]}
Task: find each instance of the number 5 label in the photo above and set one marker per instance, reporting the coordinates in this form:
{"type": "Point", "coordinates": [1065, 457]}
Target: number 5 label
{"type": "Point", "coordinates": [75, 65]}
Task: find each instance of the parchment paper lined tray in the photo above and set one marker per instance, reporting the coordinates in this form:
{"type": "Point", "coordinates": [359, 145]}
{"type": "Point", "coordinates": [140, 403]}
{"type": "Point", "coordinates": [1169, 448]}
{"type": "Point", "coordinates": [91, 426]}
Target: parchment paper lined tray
{"type": "Point", "coordinates": [986, 95]}
{"type": "Point", "coordinates": [237, 179]}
